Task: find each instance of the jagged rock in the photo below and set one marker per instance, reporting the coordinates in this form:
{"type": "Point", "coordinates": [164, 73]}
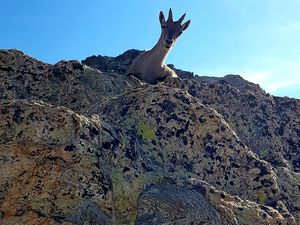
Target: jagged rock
{"type": "Point", "coordinates": [159, 200]}
{"type": "Point", "coordinates": [104, 148]}
{"type": "Point", "coordinates": [169, 204]}
{"type": "Point", "coordinates": [267, 124]}
{"type": "Point", "coordinates": [117, 64]}
{"type": "Point", "coordinates": [49, 171]}
{"type": "Point", "coordinates": [67, 83]}
{"type": "Point", "coordinates": [70, 168]}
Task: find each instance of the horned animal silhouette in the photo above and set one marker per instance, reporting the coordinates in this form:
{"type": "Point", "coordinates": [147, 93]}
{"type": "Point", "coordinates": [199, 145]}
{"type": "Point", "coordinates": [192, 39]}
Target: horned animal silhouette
{"type": "Point", "coordinates": [149, 65]}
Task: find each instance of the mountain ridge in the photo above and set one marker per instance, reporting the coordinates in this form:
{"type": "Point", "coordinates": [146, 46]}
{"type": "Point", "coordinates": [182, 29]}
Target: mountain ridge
{"type": "Point", "coordinates": [246, 143]}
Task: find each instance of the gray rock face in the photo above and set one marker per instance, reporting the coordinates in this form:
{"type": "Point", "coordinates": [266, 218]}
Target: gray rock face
{"type": "Point", "coordinates": [166, 204]}
{"type": "Point", "coordinates": [67, 83]}
{"type": "Point", "coordinates": [117, 64]}
{"type": "Point", "coordinates": [268, 125]}
{"type": "Point", "coordinates": [81, 145]}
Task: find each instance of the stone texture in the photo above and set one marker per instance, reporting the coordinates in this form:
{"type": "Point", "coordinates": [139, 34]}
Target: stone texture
{"type": "Point", "coordinates": [267, 124]}
{"type": "Point", "coordinates": [67, 83]}
{"type": "Point", "coordinates": [93, 146]}
{"type": "Point", "coordinates": [117, 64]}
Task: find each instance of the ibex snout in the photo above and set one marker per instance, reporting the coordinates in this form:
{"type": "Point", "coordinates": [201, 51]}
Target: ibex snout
{"type": "Point", "coordinates": [169, 43]}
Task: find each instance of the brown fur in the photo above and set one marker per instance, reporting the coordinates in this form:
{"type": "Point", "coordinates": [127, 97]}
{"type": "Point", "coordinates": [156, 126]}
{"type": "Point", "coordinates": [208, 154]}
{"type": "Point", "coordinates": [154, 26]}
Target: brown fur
{"type": "Point", "coordinates": [149, 65]}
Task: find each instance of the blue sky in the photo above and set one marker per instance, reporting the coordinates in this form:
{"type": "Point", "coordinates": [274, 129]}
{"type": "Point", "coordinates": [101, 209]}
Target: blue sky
{"type": "Point", "coordinates": [258, 39]}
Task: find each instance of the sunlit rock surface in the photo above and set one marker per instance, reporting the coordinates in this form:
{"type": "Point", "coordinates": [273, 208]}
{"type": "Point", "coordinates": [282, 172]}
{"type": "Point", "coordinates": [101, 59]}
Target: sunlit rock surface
{"type": "Point", "coordinates": [85, 144]}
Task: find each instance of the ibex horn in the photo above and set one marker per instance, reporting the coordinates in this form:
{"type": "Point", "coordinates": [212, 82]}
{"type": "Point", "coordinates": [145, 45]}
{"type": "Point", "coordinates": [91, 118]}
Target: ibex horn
{"type": "Point", "coordinates": [170, 17]}
{"type": "Point", "coordinates": [181, 18]}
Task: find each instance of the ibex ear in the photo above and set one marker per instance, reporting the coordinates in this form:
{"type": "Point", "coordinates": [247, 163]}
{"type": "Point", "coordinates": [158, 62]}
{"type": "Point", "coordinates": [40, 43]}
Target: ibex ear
{"type": "Point", "coordinates": [186, 25]}
{"type": "Point", "coordinates": [162, 18]}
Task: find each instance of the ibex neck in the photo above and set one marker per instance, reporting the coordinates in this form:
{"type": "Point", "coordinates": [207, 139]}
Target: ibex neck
{"type": "Point", "coordinates": [160, 52]}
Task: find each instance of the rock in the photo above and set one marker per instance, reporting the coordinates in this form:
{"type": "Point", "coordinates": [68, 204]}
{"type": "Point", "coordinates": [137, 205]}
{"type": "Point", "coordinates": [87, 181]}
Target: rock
{"type": "Point", "coordinates": [117, 64]}
{"type": "Point", "coordinates": [202, 203]}
{"type": "Point", "coordinates": [67, 83]}
{"type": "Point", "coordinates": [263, 122]}
{"type": "Point", "coordinates": [82, 145]}
{"type": "Point", "coordinates": [173, 205]}
{"type": "Point", "coordinates": [49, 171]}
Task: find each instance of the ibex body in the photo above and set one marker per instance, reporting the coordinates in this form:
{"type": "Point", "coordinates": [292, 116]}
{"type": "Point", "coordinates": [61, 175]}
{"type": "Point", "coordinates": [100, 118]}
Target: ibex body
{"type": "Point", "coordinates": [149, 65]}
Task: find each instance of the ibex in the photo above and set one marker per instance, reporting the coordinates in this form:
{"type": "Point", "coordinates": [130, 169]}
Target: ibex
{"type": "Point", "coordinates": [149, 65]}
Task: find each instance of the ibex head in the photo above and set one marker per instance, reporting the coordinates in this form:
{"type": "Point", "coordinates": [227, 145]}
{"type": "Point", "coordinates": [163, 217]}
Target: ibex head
{"type": "Point", "coordinates": [171, 30]}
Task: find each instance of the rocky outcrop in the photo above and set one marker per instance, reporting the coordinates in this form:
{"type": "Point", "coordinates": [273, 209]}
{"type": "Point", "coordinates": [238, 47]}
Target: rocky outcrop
{"type": "Point", "coordinates": [67, 83]}
{"type": "Point", "coordinates": [93, 146]}
{"type": "Point", "coordinates": [117, 64]}
{"type": "Point", "coordinates": [268, 125]}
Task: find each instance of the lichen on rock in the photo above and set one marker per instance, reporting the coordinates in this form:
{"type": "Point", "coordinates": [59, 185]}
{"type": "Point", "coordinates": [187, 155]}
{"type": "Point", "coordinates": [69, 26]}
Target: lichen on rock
{"type": "Point", "coordinates": [82, 145]}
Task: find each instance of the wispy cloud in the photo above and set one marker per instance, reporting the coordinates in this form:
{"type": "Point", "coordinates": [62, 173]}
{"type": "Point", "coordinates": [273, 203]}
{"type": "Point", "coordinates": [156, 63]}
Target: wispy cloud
{"type": "Point", "coordinates": [285, 73]}
{"type": "Point", "coordinates": [258, 77]}
{"type": "Point", "coordinates": [269, 53]}
{"type": "Point", "coordinates": [294, 26]}
{"type": "Point", "coordinates": [273, 81]}
{"type": "Point", "coordinates": [260, 43]}
{"type": "Point", "coordinates": [274, 75]}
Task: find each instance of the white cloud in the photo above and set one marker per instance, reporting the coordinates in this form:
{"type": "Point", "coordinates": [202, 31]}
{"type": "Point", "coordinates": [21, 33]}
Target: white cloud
{"type": "Point", "coordinates": [278, 74]}
{"type": "Point", "coordinates": [264, 47]}
{"type": "Point", "coordinates": [257, 77]}
{"type": "Point", "coordinates": [276, 86]}
{"type": "Point", "coordinates": [294, 26]}
{"type": "Point", "coordinates": [272, 74]}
